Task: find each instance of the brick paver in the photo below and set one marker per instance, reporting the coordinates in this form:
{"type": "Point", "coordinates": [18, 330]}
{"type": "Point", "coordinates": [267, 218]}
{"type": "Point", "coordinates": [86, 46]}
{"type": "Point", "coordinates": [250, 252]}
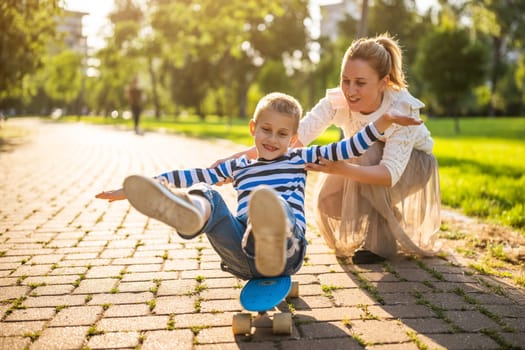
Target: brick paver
{"type": "Point", "coordinates": [79, 273]}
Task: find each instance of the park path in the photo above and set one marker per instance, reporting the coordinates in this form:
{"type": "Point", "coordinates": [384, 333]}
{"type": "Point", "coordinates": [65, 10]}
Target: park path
{"type": "Point", "coordinates": [79, 273]}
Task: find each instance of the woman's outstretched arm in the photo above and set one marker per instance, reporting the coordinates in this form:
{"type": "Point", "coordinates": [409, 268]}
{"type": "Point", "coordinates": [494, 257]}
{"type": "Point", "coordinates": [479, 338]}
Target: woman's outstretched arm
{"type": "Point", "coordinates": [368, 174]}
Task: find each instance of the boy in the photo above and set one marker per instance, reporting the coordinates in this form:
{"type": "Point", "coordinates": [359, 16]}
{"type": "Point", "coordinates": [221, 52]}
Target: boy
{"type": "Point", "coordinates": [267, 235]}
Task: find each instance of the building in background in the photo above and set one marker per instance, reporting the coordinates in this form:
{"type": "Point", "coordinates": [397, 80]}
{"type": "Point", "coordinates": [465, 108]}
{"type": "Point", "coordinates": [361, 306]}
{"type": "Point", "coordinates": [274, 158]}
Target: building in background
{"type": "Point", "coordinates": [334, 12]}
{"type": "Point", "coordinates": [70, 26]}
{"type": "Point", "coordinates": [71, 37]}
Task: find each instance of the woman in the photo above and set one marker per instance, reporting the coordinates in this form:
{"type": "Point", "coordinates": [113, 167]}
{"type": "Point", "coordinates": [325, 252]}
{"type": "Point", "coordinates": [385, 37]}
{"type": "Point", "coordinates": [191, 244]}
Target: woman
{"type": "Point", "coordinates": [388, 200]}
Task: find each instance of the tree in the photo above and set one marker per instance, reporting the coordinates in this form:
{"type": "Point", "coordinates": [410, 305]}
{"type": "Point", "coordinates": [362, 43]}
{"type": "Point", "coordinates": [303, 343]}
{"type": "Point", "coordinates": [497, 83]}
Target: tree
{"type": "Point", "coordinates": [326, 72]}
{"type": "Point", "coordinates": [187, 84]}
{"type": "Point", "coordinates": [451, 65]}
{"type": "Point", "coordinates": [151, 49]}
{"type": "Point", "coordinates": [272, 77]}
{"type": "Point", "coordinates": [26, 28]}
{"type": "Point", "coordinates": [191, 38]}
{"type": "Point", "coordinates": [108, 88]}
{"type": "Point", "coordinates": [520, 81]}
{"type": "Point", "coordinates": [400, 19]}
{"type": "Point", "coordinates": [233, 38]}
{"type": "Point", "coordinates": [119, 60]}
{"type": "Point", "coordinates": [63, 77]}
{"type": "Point", "coordinates": [504, 22]}
{"type": "Point", "coordinates": [362, 30]}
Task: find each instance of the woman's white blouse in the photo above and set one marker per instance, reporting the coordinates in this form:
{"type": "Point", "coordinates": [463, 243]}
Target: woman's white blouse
{"type": "Point", "coordinates": [399, 140]}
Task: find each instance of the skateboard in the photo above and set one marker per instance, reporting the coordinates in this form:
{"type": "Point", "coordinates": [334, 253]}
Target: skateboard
{"type": "Point", "coordinates": [262, 295]}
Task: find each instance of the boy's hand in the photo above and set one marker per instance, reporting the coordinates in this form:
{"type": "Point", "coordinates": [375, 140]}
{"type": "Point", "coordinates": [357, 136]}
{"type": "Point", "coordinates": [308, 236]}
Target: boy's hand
{"type": "Point", "coordinates": [216, 164]}
{"type": "Point", "coordinates": [114, 195]}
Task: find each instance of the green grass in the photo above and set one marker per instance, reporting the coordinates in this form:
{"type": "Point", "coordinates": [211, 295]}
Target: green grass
{"type": "Point", "coordinates": [235, 130]}
{"type": "Point", "coordinates": [482, 169]}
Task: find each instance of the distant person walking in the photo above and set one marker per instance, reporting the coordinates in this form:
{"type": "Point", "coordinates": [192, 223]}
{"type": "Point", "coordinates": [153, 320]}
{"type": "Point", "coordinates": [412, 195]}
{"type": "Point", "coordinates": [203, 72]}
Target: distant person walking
{"type": "Point", "coordinates": [134, 93]}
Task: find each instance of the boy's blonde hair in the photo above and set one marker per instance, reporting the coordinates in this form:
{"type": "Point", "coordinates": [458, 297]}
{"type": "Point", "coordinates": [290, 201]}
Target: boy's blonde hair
{"type": "Point", "coordinates": [383, 54]}
{"type": "Point", "coordinates": [281, 103]}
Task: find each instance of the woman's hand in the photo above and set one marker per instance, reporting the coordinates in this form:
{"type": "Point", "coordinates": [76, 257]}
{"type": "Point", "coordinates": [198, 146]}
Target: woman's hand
{"type": "Point", "coordinates": [327, 166]}
{"type": "Point", "coordinates": [251, 153]}
{"type": "Point", "coordinates": [113, 195]}
{"type": "Point", "coordinates": [367, 174]}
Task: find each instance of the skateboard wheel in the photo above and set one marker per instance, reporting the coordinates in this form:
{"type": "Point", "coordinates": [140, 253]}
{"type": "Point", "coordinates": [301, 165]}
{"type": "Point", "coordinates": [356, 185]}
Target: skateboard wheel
{"type": "Point", "coordinates": [282, 323]}
{"type": "Point", "coordinates": [242, 324]}
{"type": "Point", "coordinates": [294, 291]}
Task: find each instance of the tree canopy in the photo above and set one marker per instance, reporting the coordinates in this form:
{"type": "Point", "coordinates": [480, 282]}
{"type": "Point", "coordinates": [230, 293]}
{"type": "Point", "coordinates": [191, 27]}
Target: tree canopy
{"type": "Point", "coordinates": [218, 57]}
{"type": "Point", "coordinates": [26, 29]}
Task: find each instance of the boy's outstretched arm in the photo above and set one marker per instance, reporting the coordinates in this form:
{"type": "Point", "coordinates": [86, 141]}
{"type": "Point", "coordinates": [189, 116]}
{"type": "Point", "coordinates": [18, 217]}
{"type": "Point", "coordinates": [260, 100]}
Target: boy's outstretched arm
{"type": "Point", "coordinates": [250, 153]}
{"type": "Point", "coordinates": [386, 120]}
{"type": "Point", "coordinates": [111, 196]}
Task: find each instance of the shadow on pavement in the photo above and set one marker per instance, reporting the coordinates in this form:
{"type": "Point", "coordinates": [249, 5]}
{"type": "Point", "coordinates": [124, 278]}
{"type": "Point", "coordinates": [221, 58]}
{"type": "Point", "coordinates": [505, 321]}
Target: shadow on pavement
{"type": "Point", "coordinates": [434, 303]}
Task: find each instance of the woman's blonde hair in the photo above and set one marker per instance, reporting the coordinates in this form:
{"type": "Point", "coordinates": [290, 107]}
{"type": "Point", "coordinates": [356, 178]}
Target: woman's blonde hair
{"type": "Point", "coordinates": [383, 54]}
{"type": "Point", "coordinates": [282, 103]}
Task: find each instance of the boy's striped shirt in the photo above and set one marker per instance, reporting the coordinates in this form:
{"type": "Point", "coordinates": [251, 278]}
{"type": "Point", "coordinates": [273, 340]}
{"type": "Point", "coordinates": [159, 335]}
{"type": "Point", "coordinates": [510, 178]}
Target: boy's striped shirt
{"type": "Point", "coordinates": [286, 174]}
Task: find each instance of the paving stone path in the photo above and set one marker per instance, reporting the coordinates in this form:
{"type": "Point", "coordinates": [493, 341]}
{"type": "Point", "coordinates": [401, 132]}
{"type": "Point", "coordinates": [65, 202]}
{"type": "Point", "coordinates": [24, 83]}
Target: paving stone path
{"type": "Point", "coordinates": [79, 273]}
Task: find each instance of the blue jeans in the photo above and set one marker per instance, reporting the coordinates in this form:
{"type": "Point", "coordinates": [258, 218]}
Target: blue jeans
{"type": "Point", "coordinates": [225, 231]}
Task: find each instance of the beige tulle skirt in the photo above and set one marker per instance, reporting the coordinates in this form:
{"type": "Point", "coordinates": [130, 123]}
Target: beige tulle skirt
{"type": "Point", "coordinates": [404, 218]}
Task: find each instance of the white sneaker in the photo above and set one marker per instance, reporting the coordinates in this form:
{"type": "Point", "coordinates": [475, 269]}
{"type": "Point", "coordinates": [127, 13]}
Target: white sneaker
{"type": "Point", "coordinates": [169, 205]}
{"type": "Point", "coordinates": [269, 227]}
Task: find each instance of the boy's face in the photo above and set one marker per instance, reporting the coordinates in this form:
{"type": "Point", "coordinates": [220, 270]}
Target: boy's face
{"type": "Point", "coordinates": [273, 134]}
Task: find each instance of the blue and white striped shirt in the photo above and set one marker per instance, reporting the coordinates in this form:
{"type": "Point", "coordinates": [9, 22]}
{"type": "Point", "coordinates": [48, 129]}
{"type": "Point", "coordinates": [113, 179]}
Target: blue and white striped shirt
{"type": "Point", "coordinates": [286, 174]}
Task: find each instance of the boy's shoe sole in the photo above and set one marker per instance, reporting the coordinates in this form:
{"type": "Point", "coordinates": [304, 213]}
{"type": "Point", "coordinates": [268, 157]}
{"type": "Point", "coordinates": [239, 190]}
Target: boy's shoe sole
{"type": "Point", "coordinates": [172, 207]}
{"type": "Point", "coordinates": [269, 227]}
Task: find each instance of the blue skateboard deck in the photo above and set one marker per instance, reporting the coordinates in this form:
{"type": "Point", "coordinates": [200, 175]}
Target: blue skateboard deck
{"type": "Point", "coordinates": [262, 294]}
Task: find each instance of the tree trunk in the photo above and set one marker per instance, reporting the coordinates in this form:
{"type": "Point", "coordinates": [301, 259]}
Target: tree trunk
{"type": "Point", "coordinates": [362, 31]}
{"type": "Point", "coordinates": [242, 96]}
{"type": "Point", "coordinates": [242, 102]}
{"type": "Point", "coordinates": [199, 111]}
{"type": "Point", "coordinates": [497, 43]}
{"type": "Point", "coordinates": [154, 90]}
{"type": "Point", "coordinates": [457, 130]}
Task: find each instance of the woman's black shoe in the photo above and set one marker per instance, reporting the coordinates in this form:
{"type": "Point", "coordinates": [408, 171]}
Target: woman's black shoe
{"type": "Point", "coordinates": [363, 257]}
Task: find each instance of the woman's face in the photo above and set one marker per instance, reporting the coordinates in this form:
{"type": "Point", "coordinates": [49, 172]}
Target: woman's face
{"type": "Point", "coordinates": [362, 87]}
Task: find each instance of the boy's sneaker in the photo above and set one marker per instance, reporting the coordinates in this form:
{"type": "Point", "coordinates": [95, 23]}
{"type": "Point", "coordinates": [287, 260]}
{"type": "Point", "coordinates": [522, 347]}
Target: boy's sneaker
{"type": "Point", "coordinates": [269, 227]}
{"type": "Point", "coordinates": [169, 205]}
